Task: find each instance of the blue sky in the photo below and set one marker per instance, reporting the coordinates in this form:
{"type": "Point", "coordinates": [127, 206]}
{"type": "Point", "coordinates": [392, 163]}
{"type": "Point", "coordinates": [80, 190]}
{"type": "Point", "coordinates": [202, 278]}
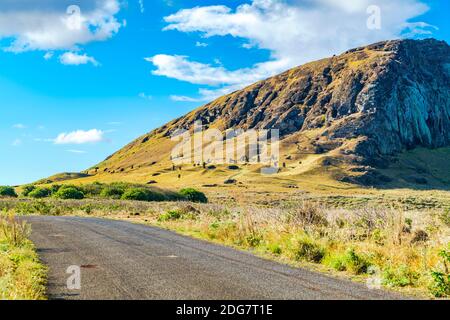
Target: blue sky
{"type": "Point", "coordinates": [75, 87]}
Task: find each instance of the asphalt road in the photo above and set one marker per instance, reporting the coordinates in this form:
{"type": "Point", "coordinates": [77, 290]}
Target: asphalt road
{"type": "Point", "coordinates": [120, 260]}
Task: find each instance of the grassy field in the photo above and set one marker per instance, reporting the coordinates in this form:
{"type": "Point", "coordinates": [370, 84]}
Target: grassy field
{"type": "Point", "coordinates": [401, 249]}
{"type": "Point", "coordinates": [22, 276]}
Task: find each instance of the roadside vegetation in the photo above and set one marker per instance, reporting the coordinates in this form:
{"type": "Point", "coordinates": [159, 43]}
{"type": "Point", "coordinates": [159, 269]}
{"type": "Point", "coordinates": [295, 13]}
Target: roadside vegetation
{"type": "Point", "coordinates": [406, 250]}
{"type": "Point", "coordinates": [120, 190]}
{"type": "Point", "coordinates": [22, 276]}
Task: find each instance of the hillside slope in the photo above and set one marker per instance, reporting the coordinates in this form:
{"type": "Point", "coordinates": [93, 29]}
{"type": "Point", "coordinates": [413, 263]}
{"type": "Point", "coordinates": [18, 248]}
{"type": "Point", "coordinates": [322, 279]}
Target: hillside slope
{"type": "Point", "coordinates": [351, 118]}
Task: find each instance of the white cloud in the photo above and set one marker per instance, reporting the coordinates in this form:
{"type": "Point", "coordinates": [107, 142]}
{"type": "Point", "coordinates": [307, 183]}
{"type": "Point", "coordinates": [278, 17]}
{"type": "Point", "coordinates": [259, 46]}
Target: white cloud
{"type": "Point", "coordinates": [184, 99]}
{"type": "Point", "coordinates": [72, 58]}
{"type": "Point", "coordinates": [80, 137]}
{"type": "Point", "coordinates": [201, 44]}
{"type": "Point", "coordinates": [294, 32]}
{"type": "Point", "coordinates": [19, 126]}
{"type": "Point", "coordinates": [76, 151]}
{"type": "Point", "coordinates": [48, 55]}
{"type": "Point", "coordinates": [181, 68]}
{"type": "Point", "coordinates": [56, 24]}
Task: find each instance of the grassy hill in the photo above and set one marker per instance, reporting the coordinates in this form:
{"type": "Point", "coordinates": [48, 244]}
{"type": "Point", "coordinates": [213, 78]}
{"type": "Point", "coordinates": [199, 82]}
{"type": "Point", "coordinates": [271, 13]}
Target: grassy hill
{"type": "Point", "coordinates": [349, 124]}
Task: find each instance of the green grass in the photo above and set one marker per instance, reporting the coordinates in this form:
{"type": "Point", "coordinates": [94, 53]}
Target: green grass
{"type": "Point", "coordinates": [22, 276]}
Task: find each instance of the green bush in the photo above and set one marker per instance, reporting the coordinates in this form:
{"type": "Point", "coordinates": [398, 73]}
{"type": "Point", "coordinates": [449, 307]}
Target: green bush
{"type": "Point", "coordinates": [142, 194]}
{"type": "Point", "coordinates": [39, 193]}
{"type": "Point", "coordinates": [170, 215]}
{"type": "Point", "coordinates": [254, 239]}
{"type": "Point", "coordinates": [37, 207]}
{"type": "Point", "coordinates": [194, 195]}
{"type": "Point", "coordinates": [309, 251]}
{"type": "Point", "coordinates": [112, 192]}
{"type": "Point", "coordinates": [351, 261]}
{"type": "Point", "coordinates": [69, 193]}
{"type": "Point", "coordinates": [55, 188]}
{"type": "Point", "coordinates": [399, 277]}
{"type": "Point", "coordinates": [6, 191]}
{"type": "Point", "coordinates": [440, 286]}
{"type": "Point", "coordinates": [93, 189]}
{"type": "Point", "coordinates": [275, 248]}
{"type": "Point", "coordinates": [27, 190]}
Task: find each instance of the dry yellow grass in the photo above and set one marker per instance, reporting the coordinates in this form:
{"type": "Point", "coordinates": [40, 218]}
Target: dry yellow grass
{"type": "Point", "coordinates": [22, 276]}
{"type": "Point", "coordinates": [395, 248]}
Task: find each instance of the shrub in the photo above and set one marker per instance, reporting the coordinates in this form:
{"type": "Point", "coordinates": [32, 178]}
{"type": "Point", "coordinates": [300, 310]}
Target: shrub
{"type": "Point", "coordinates": [440, 286]}
{"type": "Point", "coordinates": [93, 189]}
{"type": "Point", "coordinates": [170, 215]}
{"type": "Point", "coordinates": [27, 190]}
{"type": "Point", "coordinates": [55, 188]}
{"type": "Point", "coordinates": [351, 261]}
{"type": "Point", "coordinates": [112, 192]}
{"type": "Point", "coordinates": [254, 239]}
{"type": "Point", "coordinates": [309, 250]}
{"type": "Point", "coordinates": [142, 194]}
{"type": "Point", "coordinates": [6, 191]}
{"type": "Point", "coordinates": [307, 214]}
{"type": "Point", "coordinates": [69, 193]}
{"type": "Point", "coordinates": [275, 248]}
{"type": "Point", "coordinates": [37, 207]}
{"type": "Point", "coordinates": [445, 217]}
{"type": "Point", "coordinates": [15, 232]}
{"type": "Point", "coordinates": [399, 277]}
{"type": "Point", "coordinates": [194, 195]}
{"type": "Point", "coordinates": [39, 193]}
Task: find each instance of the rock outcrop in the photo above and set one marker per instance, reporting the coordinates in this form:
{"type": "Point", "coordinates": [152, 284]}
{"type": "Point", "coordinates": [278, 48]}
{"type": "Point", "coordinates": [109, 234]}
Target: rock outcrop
{"type": "Point", "coordinates": [363, 106]}
{"type": "Point", "coordinates": [387, 97]}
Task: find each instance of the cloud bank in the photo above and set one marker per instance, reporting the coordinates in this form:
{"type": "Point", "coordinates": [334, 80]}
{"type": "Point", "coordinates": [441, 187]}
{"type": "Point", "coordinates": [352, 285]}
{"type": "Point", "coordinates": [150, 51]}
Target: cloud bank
{"type": "Point", "coordinates": [56, 24]}
{"type": "Point", "coordinates": [294, 32]}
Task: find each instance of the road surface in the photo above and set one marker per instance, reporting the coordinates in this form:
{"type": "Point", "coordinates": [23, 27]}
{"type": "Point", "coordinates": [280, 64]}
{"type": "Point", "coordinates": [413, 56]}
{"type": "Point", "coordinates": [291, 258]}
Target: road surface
{"type": "Point", "coordinates": [120, 260]}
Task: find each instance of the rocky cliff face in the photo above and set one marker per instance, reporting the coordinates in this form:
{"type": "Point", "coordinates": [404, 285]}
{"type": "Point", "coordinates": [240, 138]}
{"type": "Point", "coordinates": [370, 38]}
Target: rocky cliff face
{"type": "Point", "coordinates": [385, 97]}
{"type": "Point", "coordinates": [357, 111]}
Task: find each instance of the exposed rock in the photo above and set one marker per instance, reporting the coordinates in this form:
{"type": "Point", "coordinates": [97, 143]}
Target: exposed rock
{"type": "Point", "coordinates": [394, 95]}
{"type": "Point", "coordinates": [368, 105]}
